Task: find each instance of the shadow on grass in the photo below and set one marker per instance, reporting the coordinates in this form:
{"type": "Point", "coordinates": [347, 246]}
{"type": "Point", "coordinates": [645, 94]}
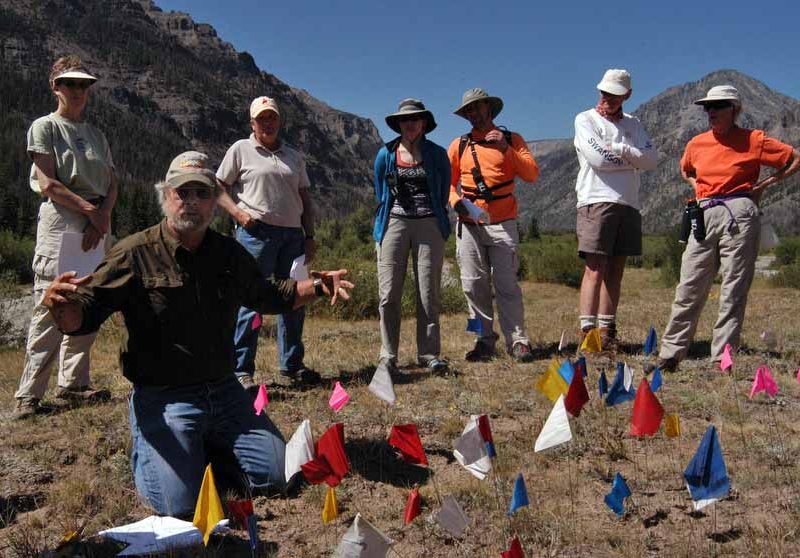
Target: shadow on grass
{"type": "Point", "coordinates": [730, 535]}
{"type": "Point", "coordinates": [12, 505]}
{"type": "Point", "coordinates": [378, 462]}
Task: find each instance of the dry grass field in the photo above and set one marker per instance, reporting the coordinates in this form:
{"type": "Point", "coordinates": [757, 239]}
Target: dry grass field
{"type": "Point", "coordinates": [70, 468]}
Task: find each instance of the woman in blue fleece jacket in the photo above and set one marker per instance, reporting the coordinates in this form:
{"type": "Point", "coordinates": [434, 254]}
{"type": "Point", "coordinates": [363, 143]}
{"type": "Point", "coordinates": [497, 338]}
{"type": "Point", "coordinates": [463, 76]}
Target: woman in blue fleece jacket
{"type": "Point", "coordinates": [412, 182]}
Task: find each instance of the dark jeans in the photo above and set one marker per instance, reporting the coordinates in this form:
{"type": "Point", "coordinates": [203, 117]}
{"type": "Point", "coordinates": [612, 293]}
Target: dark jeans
{"type": "Point", "coordinates": [178, 430]}
{"type": "Point", "coordinates": [274, 248]}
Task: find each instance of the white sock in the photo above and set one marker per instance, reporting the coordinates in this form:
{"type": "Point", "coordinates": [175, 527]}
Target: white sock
{"type": "Point", "coordinates": [588, 322]}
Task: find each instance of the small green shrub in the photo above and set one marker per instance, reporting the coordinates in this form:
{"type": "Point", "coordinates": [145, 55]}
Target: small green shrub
{"type": "Point", "coordinates": [551, 259]}
{"type": "Point", "coordinates": [787, 251]}
{"type": "Point", "coordinates": [16, 255]}
{"type": "Point", "coordinates": [787, 276]}
{"type": "Point", "coordinates": [670, 254]}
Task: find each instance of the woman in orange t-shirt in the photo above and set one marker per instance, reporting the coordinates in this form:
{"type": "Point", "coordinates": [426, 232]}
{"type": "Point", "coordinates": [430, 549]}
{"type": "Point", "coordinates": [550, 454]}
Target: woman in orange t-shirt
{"type": "Point", "coordinates": [723, 166]}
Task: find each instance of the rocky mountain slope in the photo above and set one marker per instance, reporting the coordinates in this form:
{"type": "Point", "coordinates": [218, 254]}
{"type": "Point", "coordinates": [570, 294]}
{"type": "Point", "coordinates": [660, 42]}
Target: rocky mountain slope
{"type": "Point", "coordinates": [166, 84]}
{"type": "Point", "coordinates": [671, 120]}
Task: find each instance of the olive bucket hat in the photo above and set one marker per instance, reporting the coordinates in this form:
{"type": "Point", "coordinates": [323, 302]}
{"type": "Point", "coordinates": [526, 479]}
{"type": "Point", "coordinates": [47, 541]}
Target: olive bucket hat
{"type": "Point", "coordinates": [477, 94]}
{"type": "Point", "coordinates": [411, 107]}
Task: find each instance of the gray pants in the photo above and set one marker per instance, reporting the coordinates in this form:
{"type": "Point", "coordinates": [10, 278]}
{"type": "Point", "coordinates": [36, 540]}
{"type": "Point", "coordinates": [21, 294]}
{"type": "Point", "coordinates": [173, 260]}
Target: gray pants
{"type": "Point", "coordinates": [732, 250]}
{"type": "Point", "coordinates": [423, 240]}
{"type": "Point", "coordinates": [488, 254]}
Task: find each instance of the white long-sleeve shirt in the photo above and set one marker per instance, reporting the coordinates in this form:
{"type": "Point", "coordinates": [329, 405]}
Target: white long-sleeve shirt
{"type": "Point", "coordinates": [611, 156]}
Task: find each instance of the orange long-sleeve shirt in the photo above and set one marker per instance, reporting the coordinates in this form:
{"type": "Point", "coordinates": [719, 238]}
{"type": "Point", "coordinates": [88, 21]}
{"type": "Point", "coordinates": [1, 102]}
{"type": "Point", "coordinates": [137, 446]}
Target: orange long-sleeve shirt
{"type": "Point", "coordinates": [496, 167]}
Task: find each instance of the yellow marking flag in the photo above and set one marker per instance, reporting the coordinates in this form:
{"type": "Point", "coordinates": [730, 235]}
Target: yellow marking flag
{"type": "Point", "coordinates": [591, 343]}
{"type": "Point", "coordinates": [551, 384]}
{"type": "Point", "coordinates": [672, 426]}
{"type": "Point", "coordinates": [330, 511]}
{"type": "Point", "coordinates": [208, 511]}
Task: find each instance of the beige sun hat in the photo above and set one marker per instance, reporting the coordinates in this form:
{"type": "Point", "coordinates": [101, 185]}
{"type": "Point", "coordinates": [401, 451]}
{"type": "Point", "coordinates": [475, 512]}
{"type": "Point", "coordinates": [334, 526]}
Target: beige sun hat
{"type": "Point", "coordinates": [75, 73]}
{"type": "Point", "coordinates": [615, 81]}
{"type": "Point", "coordinates": [260, 104]}
{"type": "Point", "coordinates": [409, 107]}
{"type": "Point", "coordinates": [190, 166]}
{"type": "Point", "coordinates": [477, 94]}
{"type": "Point", "coordinates": [721, 93]}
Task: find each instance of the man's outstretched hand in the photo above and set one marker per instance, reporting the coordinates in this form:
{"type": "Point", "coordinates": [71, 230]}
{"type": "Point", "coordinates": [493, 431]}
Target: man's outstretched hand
{"type": "Point", "coordinates": [334, 284]}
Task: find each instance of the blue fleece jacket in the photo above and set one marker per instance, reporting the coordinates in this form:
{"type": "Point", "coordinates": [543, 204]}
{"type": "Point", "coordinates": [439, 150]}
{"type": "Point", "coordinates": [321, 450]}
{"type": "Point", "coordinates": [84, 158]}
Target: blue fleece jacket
{"type": "Point", "coordinates": [437, 170]}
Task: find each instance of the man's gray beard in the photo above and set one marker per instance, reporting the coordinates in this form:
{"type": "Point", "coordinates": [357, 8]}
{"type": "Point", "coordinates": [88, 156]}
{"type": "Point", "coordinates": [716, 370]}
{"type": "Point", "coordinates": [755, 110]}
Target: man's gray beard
{"type": "Point", "coordinates": [190, 224]}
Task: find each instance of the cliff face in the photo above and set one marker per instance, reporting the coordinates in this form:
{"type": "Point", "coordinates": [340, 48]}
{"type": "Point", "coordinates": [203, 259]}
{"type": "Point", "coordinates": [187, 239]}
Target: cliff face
{"type": "Point", "coordinates": [671, 120]}
{"type": "Point", "coordinates": [166, 84]}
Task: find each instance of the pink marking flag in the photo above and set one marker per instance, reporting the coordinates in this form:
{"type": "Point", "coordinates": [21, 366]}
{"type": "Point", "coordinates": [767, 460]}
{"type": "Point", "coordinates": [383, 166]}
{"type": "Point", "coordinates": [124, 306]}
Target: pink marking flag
{"type": "Point", "coordinates": [256, 321]}
{"type": "Point", "coordinates": [726, 362]}
{"type": "Point", "coordinates": [261, 399]}
{"type": "Point", "coordinates": [339, 398]}
{"type": "Point", "coordinates": [798, 375]}
{"type": "Point", "coordinates": [763, 381]}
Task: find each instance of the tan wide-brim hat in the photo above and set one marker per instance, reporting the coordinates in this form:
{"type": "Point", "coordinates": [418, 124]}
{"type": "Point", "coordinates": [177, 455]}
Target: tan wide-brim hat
{"type": "Point", "coordinates": [721, 93]}
{"type": "Point", "coordinates": [75, 74]}
{"type": "Point", "coordinates": [190, 166]}
{"type": "Point", "coordinates": [477, 94]}
{"type": "Point", "coordinates": [410, 107]}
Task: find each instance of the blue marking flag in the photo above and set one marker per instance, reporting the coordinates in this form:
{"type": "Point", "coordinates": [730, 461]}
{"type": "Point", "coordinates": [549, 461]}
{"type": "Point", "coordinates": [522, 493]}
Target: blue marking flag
{"type": "Point", "coordinates": [617, 392]}
{"type": "Point", "coordinates": [655, 383]}
{"type": "Point", "coordinates": [616, 498]}
{"type": "Point", "coordinates": [520, 496]}
{"type": "Point", "coordinates": [580, 364]}
{"type": "Point", "coordinates": [650, 342]}
{"type": "Point", "coordinates": [602, 384]}
{"type": "Point", "coordinates": [474, 325]}
{"type": "Point", "coordinates": [252, 531]}
{"type": "Point", "coordinates": [706, 475]}
{"type": "Point", "coordinates": [566, 371]}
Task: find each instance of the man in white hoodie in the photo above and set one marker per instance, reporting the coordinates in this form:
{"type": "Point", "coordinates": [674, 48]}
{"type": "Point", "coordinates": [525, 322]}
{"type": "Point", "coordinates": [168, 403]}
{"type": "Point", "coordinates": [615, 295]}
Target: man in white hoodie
{"type": "Point", "coordinates": [613, 148]}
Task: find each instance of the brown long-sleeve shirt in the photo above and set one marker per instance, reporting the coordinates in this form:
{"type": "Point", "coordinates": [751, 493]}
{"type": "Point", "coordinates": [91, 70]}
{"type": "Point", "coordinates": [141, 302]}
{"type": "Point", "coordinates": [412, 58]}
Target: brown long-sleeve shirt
{"type": "Point", "coordinates": [180, 307]}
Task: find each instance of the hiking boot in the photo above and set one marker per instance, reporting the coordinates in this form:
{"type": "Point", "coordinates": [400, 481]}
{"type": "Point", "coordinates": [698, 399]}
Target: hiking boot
{"type": "Point", "coordinates": [608, 339]}
{"type": "Point", "coordinates": [522, 352]}
{"type": "Point", "coordinates": [83, 393]}
{"type": "Point", "coordinates": [247, 383]}
{"type": "Point", "coordinates": [667, 364]}
{"type": "Point", "coordinates": [435, 365]}
{"type": "Point", "coordinates": [25, 408]}
{"type": "Point", "coordinates": [303, 376]}
{"type": "Point", "coordinates": [480, 353]}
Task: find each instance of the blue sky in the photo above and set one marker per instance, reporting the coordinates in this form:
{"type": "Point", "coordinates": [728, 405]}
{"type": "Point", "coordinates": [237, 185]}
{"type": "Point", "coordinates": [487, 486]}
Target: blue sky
{"type": "Point", "coordinates": [543, 58]}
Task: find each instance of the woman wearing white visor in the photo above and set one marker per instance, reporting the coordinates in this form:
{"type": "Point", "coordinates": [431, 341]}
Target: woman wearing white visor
{"type": "Point", "coordinates": [74, 172]}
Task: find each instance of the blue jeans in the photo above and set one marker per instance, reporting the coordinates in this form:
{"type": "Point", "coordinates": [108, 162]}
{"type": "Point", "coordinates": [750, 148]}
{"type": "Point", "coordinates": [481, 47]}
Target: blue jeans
{"type": "Point", "coordinates": [178, 430]}
{"type": "Point", "coordinates": [274, 248]}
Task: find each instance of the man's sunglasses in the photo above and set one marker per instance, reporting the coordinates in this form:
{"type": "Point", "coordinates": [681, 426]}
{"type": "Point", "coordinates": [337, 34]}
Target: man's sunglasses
{"type": "Point", "coordinates": [75, 83]}
{"type": "Point", "coordinates": [410, 118]}
{"type": "Point", "coordinates": [201, 193]}
{"type": "Point", "coordinates": [717, 105]}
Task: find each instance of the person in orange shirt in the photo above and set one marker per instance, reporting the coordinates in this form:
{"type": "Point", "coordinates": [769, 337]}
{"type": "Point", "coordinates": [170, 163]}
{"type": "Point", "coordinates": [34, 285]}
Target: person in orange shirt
{"type": "Point", "coordinates": [485, 163]}
{"type": "Point", "coordinates": [722, 165]}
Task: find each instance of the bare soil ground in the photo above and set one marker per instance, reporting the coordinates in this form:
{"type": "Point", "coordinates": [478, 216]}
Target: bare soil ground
{"type": "Point", "coordinates": [70, 468]}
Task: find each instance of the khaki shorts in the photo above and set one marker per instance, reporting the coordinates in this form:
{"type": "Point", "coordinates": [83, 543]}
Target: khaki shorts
{"type": "Point", "coordinates": [609, 229]}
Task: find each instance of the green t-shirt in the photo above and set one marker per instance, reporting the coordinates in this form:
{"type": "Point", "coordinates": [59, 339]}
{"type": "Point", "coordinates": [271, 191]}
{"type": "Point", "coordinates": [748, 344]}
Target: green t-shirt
{"type": "Point", "coordinates": [81, 152]}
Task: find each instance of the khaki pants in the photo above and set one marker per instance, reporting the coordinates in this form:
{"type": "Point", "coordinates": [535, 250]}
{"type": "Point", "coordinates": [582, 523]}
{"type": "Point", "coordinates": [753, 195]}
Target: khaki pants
{"type": "Point", "coordinates": [423, 240]}
{"type": "Point", "coordinates": [487, 254]}
{"type": "Point", "coordinates": [45, 342]}
{"type": "Point", "coordinates": [732, 250]}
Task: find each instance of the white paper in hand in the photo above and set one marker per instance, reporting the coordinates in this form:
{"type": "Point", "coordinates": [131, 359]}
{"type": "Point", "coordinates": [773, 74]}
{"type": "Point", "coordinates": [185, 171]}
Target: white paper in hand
{"type": "Point", "coordinates": [71, 256]}
{"type": "Point", "coordinates": [476, 213]}
{"type": "Point", "coordinates": [299, 271]}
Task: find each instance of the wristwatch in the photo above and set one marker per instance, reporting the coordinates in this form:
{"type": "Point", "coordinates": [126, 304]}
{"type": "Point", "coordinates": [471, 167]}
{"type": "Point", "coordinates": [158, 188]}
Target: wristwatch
{"type": "Point", "coordinates": [318, 289]}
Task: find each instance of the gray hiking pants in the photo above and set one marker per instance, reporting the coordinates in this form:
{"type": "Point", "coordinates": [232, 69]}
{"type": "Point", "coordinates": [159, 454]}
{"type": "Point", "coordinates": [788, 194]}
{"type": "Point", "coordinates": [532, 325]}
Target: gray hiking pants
{"type": "Point", "coordinates": [731, 246]}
